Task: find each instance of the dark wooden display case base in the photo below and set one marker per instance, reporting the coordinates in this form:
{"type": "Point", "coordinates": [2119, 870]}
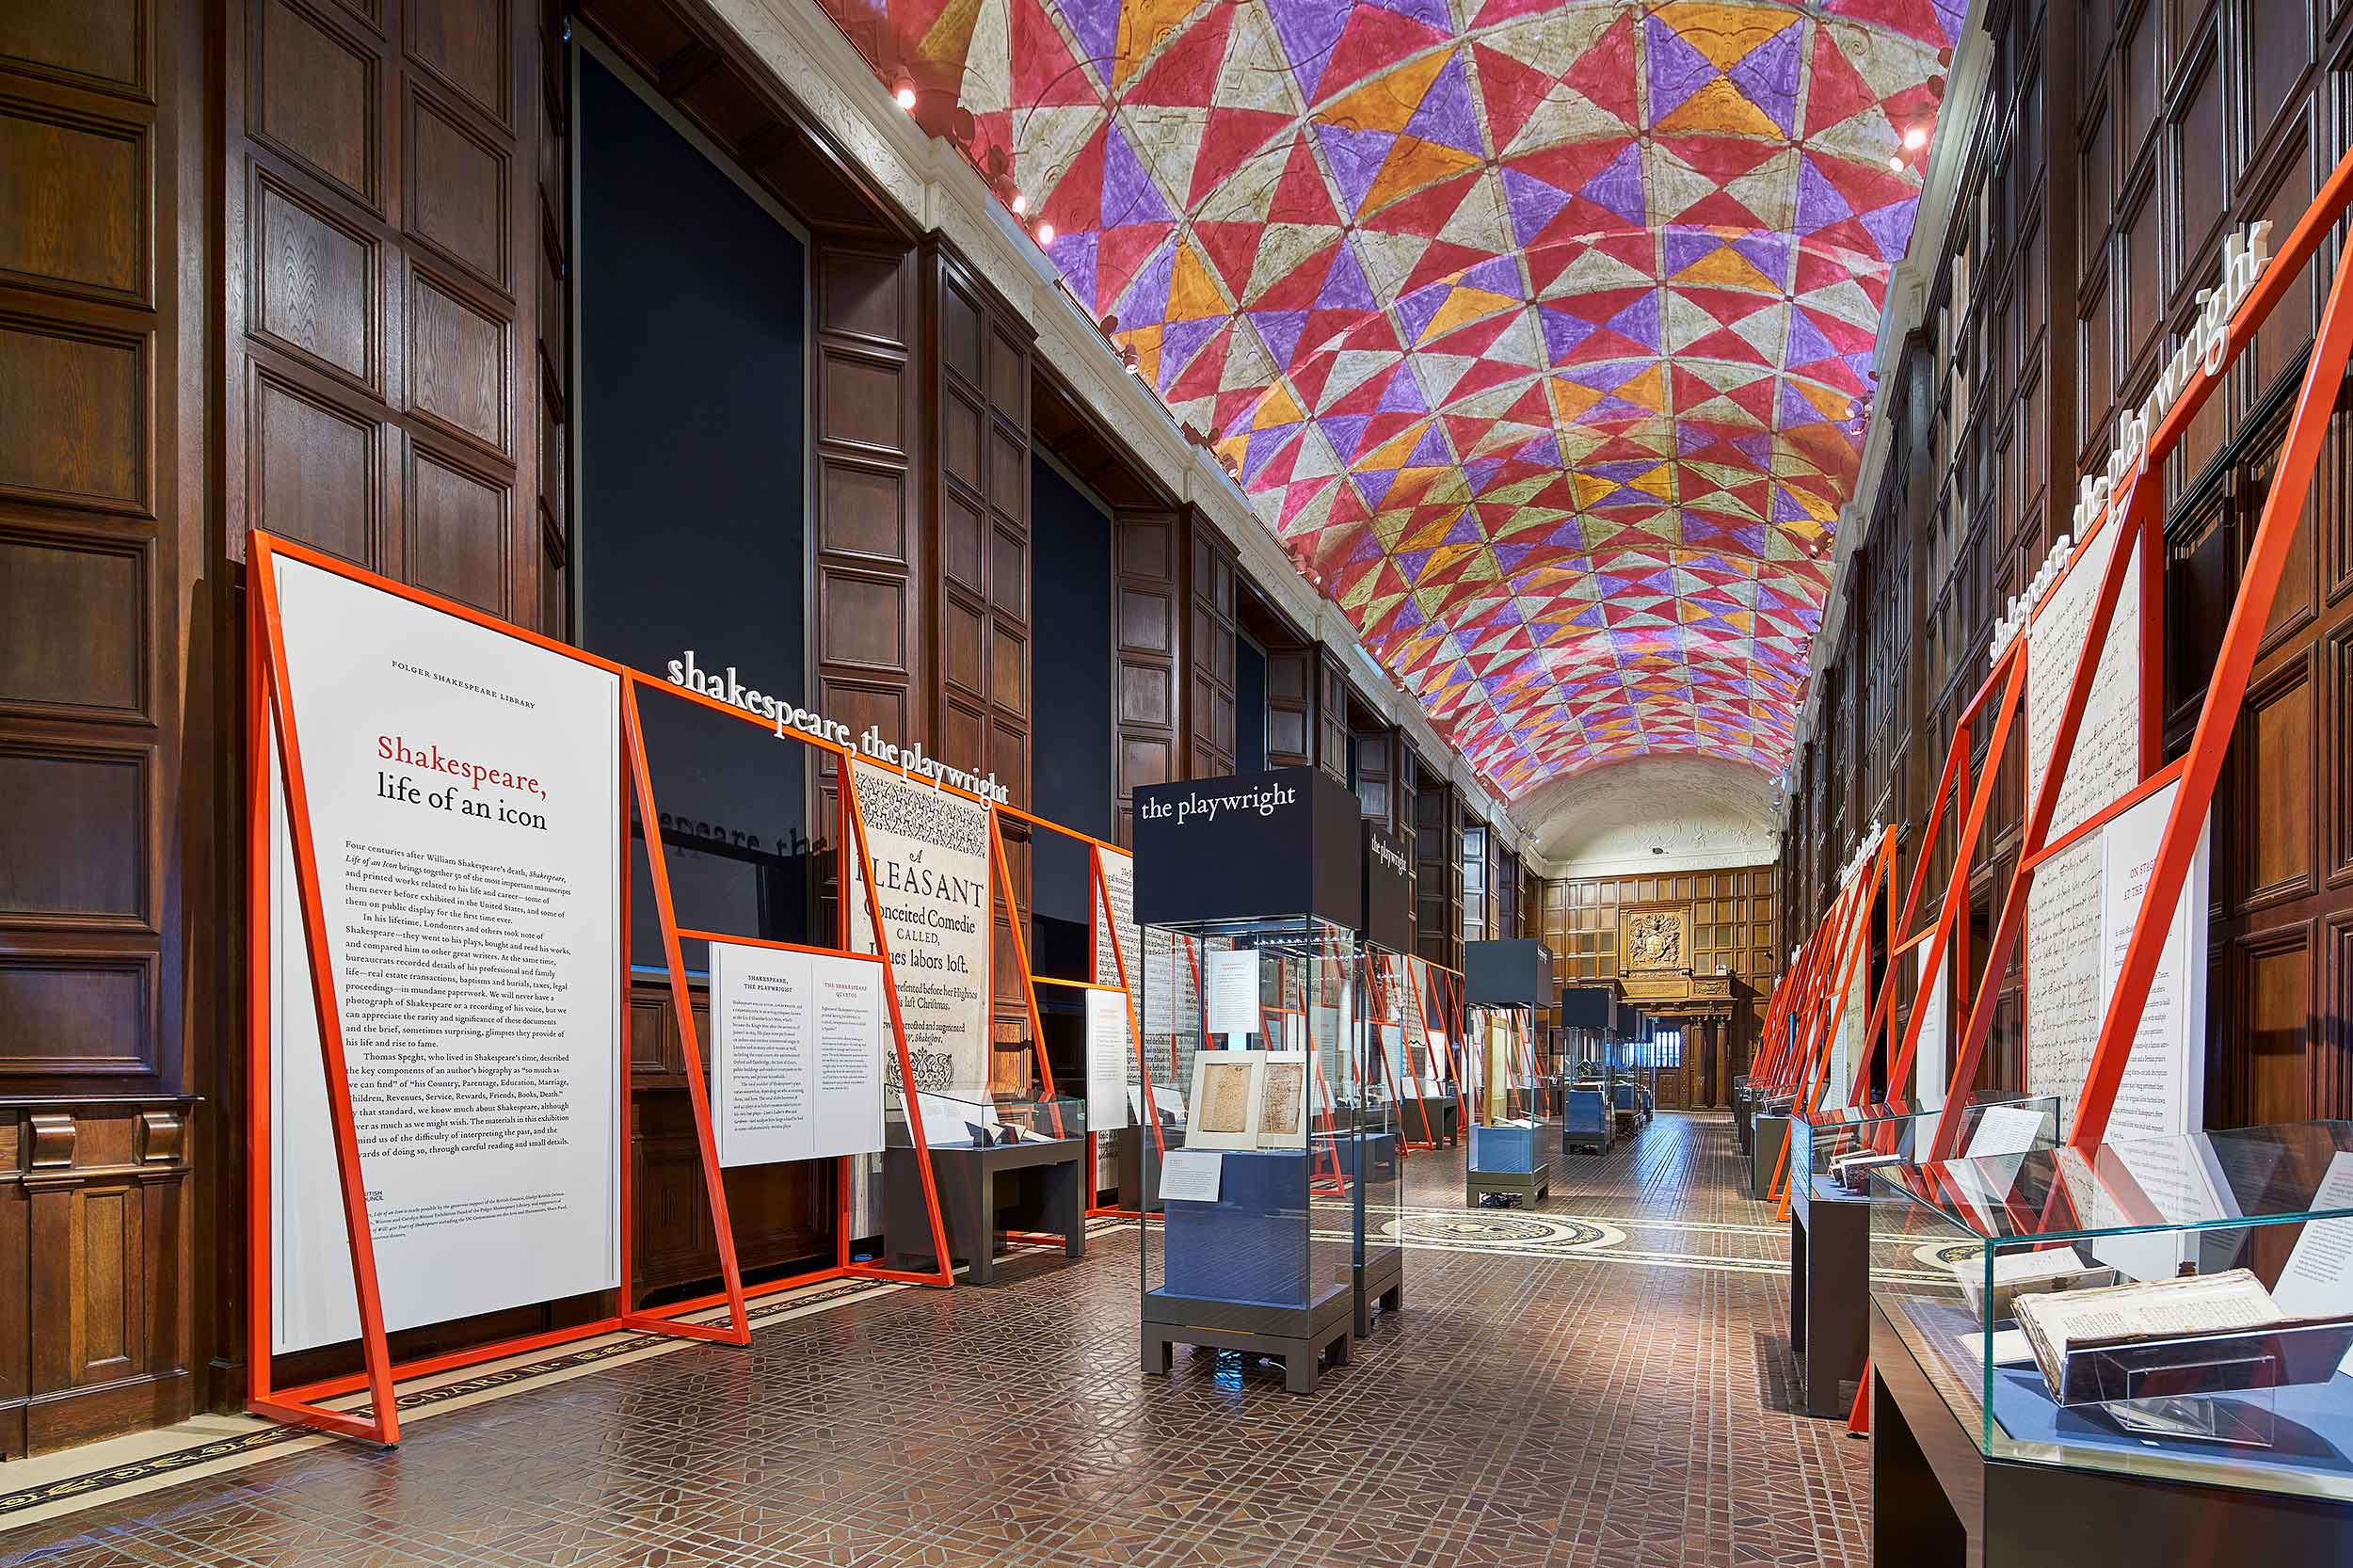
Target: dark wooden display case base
{"type": "Point", "coordinates": [1528, 1186]}
{"type": "Point", "coordinates": [1585, 1140]}
{"type": "Point", "coordinates": [1938, 1502]}
{"type": "Point", "coordinates": [1135, 1195]}
{"type": "Point", "coordinates": [1444, 1125]}
{"type": "Point", "coordinates": [1040, 1187]}
{"type": "Point", "coordinates": [1299, 1337]}
{"type": "Point", "coordinates": [1829, 1255]}
{"type": "Point", "coordinates": [1765, 1152]}
{"type": "Point", "coordinates": [1380, 1280]}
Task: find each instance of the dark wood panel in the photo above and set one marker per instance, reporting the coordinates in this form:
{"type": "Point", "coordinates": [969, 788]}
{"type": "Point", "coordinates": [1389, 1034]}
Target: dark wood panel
{"type": "Point", "coordinates": [104, 41]}
{"type": "Point", "coordinates": [1145, 643]}
{"type": "Point", "coordinates": [1206, 655]}
{"type": "Point", "coordinates": [74, 187]}
{"type": "Point", "coordinates": [314, 472]}
{"type": "Point", "coordinates": [70, 848]}
{"type": "Point", "coordinates": [73, 415]}
{"type": "Point", "coordinates": [77, 1013]}
{"type": "Point", "coordinates": [457, 361]}
{"type": "Point", "coordinates": [96, 587]}
{"type": "Point", "coordinates": [315, 282]}
{"type": "Point", "coordinates": [316, 97]}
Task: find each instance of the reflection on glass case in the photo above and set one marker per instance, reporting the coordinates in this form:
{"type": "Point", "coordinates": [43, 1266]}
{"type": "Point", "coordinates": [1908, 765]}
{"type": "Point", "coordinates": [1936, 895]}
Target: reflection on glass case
{"type": "Point", "coordinates": [1280, 1204]}
{"type": "Point", "coordinates": [1002, 1168]}
{"type": "Point", "coordinates": [2179, 1307]}
{"type": "Point", "coordinates": [1840, 1147]}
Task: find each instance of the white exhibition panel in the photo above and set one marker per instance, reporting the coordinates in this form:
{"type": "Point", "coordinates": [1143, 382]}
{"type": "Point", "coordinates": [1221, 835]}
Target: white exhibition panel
{"type": "Point", "coordinates": [1109, 1054]}
{"type": "Point", "coordinates": [929, 851]}
{"type": "Point", "coordinates": [465, 809]}
{"type": "Point", "coordinates": [796, 1054]}
{"type": "Point", "coordinates": [1932, 1053]}
{"type": "Point", "coordinates": [2081, 906]}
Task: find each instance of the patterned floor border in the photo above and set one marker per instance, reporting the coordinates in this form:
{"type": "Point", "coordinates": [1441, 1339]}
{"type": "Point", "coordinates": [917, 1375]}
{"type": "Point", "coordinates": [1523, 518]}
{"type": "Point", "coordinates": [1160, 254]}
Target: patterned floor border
{"type": "Point", "coordinates": [252, 1440]}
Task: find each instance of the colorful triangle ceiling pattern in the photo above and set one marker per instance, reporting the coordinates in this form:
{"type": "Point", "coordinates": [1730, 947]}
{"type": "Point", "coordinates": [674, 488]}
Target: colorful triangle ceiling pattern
{"type": "Point", "coordinates": [1537, 332]}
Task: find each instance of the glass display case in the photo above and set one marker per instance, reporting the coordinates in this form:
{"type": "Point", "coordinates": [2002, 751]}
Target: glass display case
{"type": "Point", "coordinates": [1504, 1165]}
{"type": "Point", "coordinates": [1006, 1169]}
{"type": "Point", "coordinates": [2177, 1309]}
{"type": "Point", "coordinates": [1282, 1202]}
{"type": "Point", "coordinates": [1837, 1148]}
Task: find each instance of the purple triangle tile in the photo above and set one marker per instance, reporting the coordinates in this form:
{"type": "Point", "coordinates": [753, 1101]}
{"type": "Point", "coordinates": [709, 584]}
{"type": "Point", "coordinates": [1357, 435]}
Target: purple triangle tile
{"type": "Point", "coordinates": [1308, 28]}
{"type": "Point", "coordinates": [1415, 310]}
{"type": "Point", "coordinates": [1074, 257]}
{"type": "Point", "coordinates": [1618, 186]}
{"type": "Point", "coordinates": [1767, 75]}
{"type": "Point", "coordinates": [1431, 450]}
{"type": "Point", "coordinates": [1562, 332]}
{"type": "Point", "coordinates": [1891, 226]}
{"type": "Point", "coordinates": [1676, 69]}
{"type": "Point", "coordinates": [1128, 194]}
{"type": "Point", "coordinates": [1819, 205]}
{"type": "Point", "coordinates": [1344, 285]}
{"type": "Point", "coordinates": [1345, 432]}
{"type": "Point", "coordinates": [1446, 115]}
{"type": "Point", "coordinates": [1355, 158]}
{"type": "Point", "coordinates": [1531, 203]}
{"type": "Point", "coordinates": [1280, 329]}
{"type": "Point", "coordinates": [1144, 302]}
{"type": "Point", "coordinates": [1095, 24]}
{"type": "Point", "coordinates": [1640, 320]}
{"type": "Point", "coordinates": [1686, 245]}
{"type": "Point", "coordinates": [1402, 396]}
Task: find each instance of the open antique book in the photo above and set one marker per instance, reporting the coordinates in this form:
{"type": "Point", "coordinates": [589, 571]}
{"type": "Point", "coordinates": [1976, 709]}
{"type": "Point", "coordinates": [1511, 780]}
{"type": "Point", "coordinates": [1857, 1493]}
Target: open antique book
{"type": "Point", "coordinates": [2024, 1274]}
{"type": "Point", "coordinates": [2065, 1324]}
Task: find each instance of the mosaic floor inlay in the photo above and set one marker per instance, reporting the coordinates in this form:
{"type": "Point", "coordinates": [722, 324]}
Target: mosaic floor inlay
{"type": "Point", "coordinates": [1528, 1407]}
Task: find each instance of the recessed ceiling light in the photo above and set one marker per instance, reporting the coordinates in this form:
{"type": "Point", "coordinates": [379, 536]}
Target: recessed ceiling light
{"type": "Point", "coordinates": [906, 95]}
{"type": "Point", "coordinates": [1045, 234]}
{"type": "Point", "coordinates": [1916, 138]}
{"type": "Point", "coordinates": [1020, 203]}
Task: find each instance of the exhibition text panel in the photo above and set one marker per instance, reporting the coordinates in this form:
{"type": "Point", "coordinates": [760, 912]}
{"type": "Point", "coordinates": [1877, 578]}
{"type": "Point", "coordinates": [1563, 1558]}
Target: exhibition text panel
{"type": "Point", "coordinates": [466, 816]}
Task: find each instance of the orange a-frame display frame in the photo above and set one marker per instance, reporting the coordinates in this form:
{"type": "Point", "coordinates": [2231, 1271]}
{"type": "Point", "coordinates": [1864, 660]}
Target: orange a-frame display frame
{"type": "Point", "coordinates": [270, 717]}
{"type": "Point", "coordinates": [2135, 510]}
{"type": "Point", "coordinates": [1849, 936]}
{"type": "Point", "coordinates": [2136, 507]}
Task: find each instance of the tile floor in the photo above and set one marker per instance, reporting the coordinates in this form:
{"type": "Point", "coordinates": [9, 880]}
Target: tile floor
{"type": "Point", "coordinates": [1603, 1381]}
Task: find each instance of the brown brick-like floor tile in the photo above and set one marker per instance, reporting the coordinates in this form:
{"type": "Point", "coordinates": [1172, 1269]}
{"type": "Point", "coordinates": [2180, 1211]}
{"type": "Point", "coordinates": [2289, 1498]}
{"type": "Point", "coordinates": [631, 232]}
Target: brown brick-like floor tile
{"type": "Point", "coordinates": [1599, 1382]}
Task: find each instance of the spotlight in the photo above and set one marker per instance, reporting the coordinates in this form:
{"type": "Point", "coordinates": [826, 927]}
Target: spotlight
{"type": "Point", "coordinates": [1020, 203]}
{"type": "Point", "coordinates": [1897, 164]}
{"type": "Point", "coordinates": [1045, 234]}
{"type": "Point", "coordinates": [1916, 138]}
{"type": "Point", "coordinates": [905, 94]}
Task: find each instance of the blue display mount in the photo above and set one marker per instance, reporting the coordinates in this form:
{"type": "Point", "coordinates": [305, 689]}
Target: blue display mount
{"type": "Point", "coordinates": [1503, 1150]}
{"type": "Point", "coordinates": [1251, 1246]}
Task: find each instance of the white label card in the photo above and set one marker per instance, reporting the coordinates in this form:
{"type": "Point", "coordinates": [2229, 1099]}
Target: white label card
{"type": "Point", "coordinates": [1193, 1175]}
{"type": "Point", "coordinates": [1109, 1055]}
{"type": "Point", "coordinates": [2005, 1130]}
{"type": "Point", "coordinates": [1231, 979]}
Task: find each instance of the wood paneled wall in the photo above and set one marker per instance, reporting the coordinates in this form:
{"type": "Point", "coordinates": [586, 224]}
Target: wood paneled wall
{"type": "Point", "coordinates": [1331, 714]}
{"type": "Point", "coordinates": [1210, 586]}
{"type": "Point", "coordinates": [305, 265]}
{"type": "Point", "coordinates": [1291, 707]}
{"type": "Point", "coordinates": [100, 540]}
{"type": "Point", "coordinates": [1437, 869]}
{"type": "Point", "coordinates": [1734, 919]}
{"type": "Point", "coordinates": [1146, 547]}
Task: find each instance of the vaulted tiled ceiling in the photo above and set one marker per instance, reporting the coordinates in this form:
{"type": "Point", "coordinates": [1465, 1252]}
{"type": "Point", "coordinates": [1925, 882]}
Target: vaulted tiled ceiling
{"type": "Point", "coordinates": [1539, 333]}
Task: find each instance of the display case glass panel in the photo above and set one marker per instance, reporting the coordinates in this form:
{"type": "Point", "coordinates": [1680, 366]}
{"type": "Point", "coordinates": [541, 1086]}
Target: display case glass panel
{"type": "Point", "coordinates": [964, 1122]}
{"type": "Point", "coordinates": [2179, 1307]}
{"type": "Point", "coordinates": [1837, 1147]}
{"type": "Point", "coordinates": [1288, 1167]}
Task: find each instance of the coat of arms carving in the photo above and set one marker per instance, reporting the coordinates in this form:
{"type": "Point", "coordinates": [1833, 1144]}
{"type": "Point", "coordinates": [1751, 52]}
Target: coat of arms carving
{"type": "Point", "coordinates": [1655, 940]}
